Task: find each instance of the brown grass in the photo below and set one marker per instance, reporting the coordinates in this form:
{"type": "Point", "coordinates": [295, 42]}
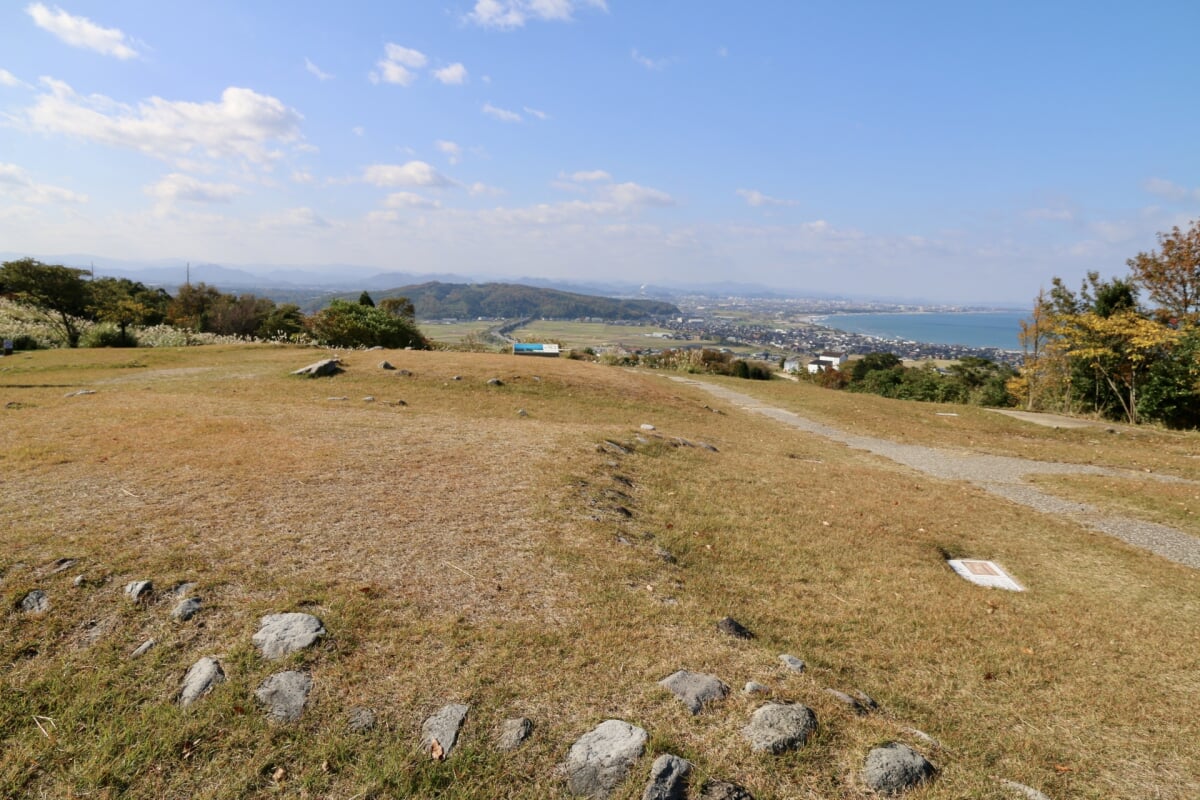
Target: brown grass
{"type": "Point", "coordinates": [459, 552]}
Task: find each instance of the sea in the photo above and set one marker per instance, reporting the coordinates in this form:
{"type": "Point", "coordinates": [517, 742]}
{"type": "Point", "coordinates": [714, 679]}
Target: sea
{"type": "Point", "coordinates": [998, 329]}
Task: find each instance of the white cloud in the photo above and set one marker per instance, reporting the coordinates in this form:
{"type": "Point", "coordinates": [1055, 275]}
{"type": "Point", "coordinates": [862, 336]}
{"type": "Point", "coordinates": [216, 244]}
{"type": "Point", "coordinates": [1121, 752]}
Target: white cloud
{"type": "Point", "coordinates": [630, 195]}
{"type": "Point", "coordinates": [320, 74]}
{"type": "Point", "coordinates": [1170, 190]}
{"type": "Point", "coordinates": [293, 219]}
{"type": "Point", "coordinates": [81, 32]}
{"type": "Point", "coordinates": [502, 114]}
{"type": "Point", "coordinates": [243, 124]}
{"type": "Point", "coordinates": [358, 130]}
{"type": "Point", "coordinates": [509, 14]}
{"type": "Point", "coordinates": [588, 176]}
{"type": "Point", "coordinates": [302, 176]}
{"type": "Point", "coordinates": [177, 186]}
{"type": "Point", "coordinates": [455, 74]}
{"type": "Point", "coordinates": [12, 81]}
{"type": "Point", "coordinates": [757, 199]}
{"type": "Point", "coordinates": [397, 65]}
{"type": "Point", "coordinates": [410, 200]}
{"type": "Point", "coordinates": [450, 149]}
{"type": "Point", "coordinates": [533, 112]}
{"type": "Point", "coordinates": [414, 173]}
{"type": "Point", "coordinates": [15, 182]}
{"type": "Point", "coordinates": [480, 188]}
{"type": "Point", "coordinates": [647, 62]}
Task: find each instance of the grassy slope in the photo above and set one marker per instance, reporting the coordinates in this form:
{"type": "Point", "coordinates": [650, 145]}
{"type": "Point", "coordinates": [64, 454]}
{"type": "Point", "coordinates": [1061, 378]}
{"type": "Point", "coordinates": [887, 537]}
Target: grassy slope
{"type": "Point", "coordinates": [458, 552]}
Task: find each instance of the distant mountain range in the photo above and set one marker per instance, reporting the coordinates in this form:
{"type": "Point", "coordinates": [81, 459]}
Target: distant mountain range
{"type": "Point", "coordinates": [436, 300]}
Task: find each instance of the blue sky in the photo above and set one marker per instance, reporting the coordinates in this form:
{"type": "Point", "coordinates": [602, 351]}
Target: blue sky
{"type": "Point", "coordinates": [956, 151]}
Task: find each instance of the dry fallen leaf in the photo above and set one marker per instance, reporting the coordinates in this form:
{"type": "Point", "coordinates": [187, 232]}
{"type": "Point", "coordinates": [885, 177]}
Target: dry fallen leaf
{"type": "Point", "coordinates": [436, 751]}
{"type": "Point", "coordinates": [279, 774]}
{"type": "Point", "coordinates": [1027, 651]}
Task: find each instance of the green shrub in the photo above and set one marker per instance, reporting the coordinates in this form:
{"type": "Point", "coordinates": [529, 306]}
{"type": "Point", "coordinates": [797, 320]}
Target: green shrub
{"type": "Point", "coordinates": [108, 335]}
{"type": "Point", "coordinates": [345, 324]}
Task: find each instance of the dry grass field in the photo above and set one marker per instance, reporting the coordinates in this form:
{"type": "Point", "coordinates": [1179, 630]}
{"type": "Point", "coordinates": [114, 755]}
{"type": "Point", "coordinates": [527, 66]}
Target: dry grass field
{"type": "Point", "coordinates": [459, 552]}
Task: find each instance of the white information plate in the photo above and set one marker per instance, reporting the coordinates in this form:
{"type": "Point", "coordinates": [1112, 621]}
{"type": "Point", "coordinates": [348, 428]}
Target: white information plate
{"type": "Point", "coordinates": [985, 573]}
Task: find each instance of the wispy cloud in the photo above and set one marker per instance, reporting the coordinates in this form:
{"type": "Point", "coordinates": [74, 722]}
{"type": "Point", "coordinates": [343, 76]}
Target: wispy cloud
{"type": "Point", "coordinates": [16, 182]}
{"type": "Point", "coordinates": [455, 74]}
{"type": "Point", "coordinates": [242, 124]}
{"type": "Point", "coordinates": [12, 81]}
{"type": "Point", "coordinates": [410, 200]}
{"type": "Point", "coordinates": [450, 149]}
{"type": "Point", "coordinates": [319, 73]}
{"type": "Point", "coordinates": [510, 14]}
{"type": "Point", "coordinates": [755, 198]}
{"type": "Point", "coordinates": [81, 31]}
{"type": "Point", "coordinates": [533, 112]}
{"type": "Point", "coordinates": [1170, 190]}
{"type": "Point", "coordinates": [413, 173]}
{"type": "Point", "coordinates": [502, 114]}
{"type": "Point", "coordinates": [647, 62]}
{"type": "Point", "coordinates": [293, 219]}
{"type": "Point", "coordinates": [397, 65]}
{"type": "Point", "coordinates": [176, 186]}
{"type": "Point", "coordinates": [587, 176]}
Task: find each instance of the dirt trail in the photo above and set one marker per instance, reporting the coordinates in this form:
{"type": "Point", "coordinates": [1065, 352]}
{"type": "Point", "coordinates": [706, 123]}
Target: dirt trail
{"type": "Point", "coordinates": [1004, 476]}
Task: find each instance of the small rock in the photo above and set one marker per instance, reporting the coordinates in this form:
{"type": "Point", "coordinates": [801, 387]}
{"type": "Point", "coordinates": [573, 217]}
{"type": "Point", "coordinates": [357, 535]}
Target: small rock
{"type": "Point", "coordinates": [616, 448]}
{"type": "Point", "coordinates": [732, 627]}
{"type": "Point", "coordinates": [284, 694]}
{"type": "Point", "coordinates": [792, 663]}
{"type": "Point", "coordinates": [647, 427]}
{"type": "Point", "coordinates": [360, 720]}
{"type": "Point", "coordinates": [849, 702]}
{"type": "Point", "coordinates": [866, 701]}
{"type": "Point", "coordinates": [623, 511]}
{"type": "Point", "coordinates": [495, 382]}
{"type": "Point", "coordinates": [80, 393]}
{"type": "Point", "coordinates": [280, 634]}
{"type": "Point", "coordinates": [324, 368]}
{"type": "Point", "coordinates": [723, 790]}
{"type": "Point", "coordinates": [457, 378]}
{"type": "Point", "coordinates": [707, 447]}
{"type": "Point", "coordinates": [776, 728]}
{"type": "Point", "coordinates": [186, 609]}
{"type": "Point", "coordinates": [601, 758]}
{"type": "Point", "coordinates": [181, 590]}
{"type": "Point", "coordinates": [665, 554]}
{"type": "Point", "coordinates": [79, 581]}
{"type": "Point", "coordinates": [1026, 791]}
{"type": "Point", "coordinates": [895, 768]}
{"type": "Point", "coordinates": [386, 365]}
{"type": "Point", "coordinates": [61, 565]}
{"type": "Point", "coordinates": [143, 648]}
{"type": "Point", "coordinates": [522, 412]}
{"type": "Point", "coordinates": [200, 679]}
{"type": "Point", "coordinates": [695, 689]}
{"type": "Point", "coordinates": [407, 374]}
{"type": "Point", "coordinates": [137, 591]}
{"type": "Point", "coordinates": [336, 399]}
{"type": "Point", "coordinates": [442, 727]}
{"type": "Point", "coordinates": [513, 733]}
{"type": "Point", "coordinates": [376, 347]}
{"type": "Point", "coordinates": [35, 602]}
{"type": "Point", "coordinates": [368, 399]}
{"type": "Point", "coordinates": [668, 778]}
{"type": "Point", "coordinates": [923, 736]}
{"type": "Point", "coordinates": [754, 687]}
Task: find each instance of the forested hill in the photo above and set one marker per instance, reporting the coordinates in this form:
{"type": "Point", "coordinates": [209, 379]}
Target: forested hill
{"type": "Point", "coordinates": [437, 300]}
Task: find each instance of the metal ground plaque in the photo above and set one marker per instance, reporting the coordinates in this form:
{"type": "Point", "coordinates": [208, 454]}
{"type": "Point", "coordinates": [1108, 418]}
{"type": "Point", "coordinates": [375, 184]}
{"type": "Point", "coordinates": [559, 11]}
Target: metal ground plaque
{"type": "Point", "coordinates": [985, 573]}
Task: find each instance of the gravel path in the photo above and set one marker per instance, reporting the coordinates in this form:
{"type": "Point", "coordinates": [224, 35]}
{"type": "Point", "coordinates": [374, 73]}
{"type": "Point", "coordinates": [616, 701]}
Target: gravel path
{"type": "Point", "coordinates": [1004, 476]}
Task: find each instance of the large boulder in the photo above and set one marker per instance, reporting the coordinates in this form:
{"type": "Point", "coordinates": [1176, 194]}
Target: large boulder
{"type": "Point", "coordinates": [776, 728]}
{"type": "Point", "coordinates": [601, 758]}
{"type": "Point", "coordinates": [325, 368]}
{"type": "Point", "coordinates": [280, 634]}
{"type": "Point", "coordinates": [695, 689]}
{"type": "Point", "coordinates": [668, 778]}
{"type": "Point", "coordinates": [895, 768]}
{"type": "Point", "coordinates": [284, 694]}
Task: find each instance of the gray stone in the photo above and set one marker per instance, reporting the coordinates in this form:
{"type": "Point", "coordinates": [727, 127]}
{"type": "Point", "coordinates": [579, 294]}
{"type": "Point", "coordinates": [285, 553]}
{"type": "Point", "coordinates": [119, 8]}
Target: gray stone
{"type": "Point", "coordinates": [732, 627]}
{"type": "Point", "coordinates": [284, 694]}
{"type": "Point", "coordinates": [495, 382]}
{"type": "Point", "coordinates": [280, 634]}
{"type": "Point", "coordinates": [754, 687]}
{"type": "Point", "coordinates": [200, 679]}
{"type": "Point", "coordinates": [324, 368]}
{"type": "Point", "coordinates": [895, 768]}
{"type": "Point", "coordinates": [647, 427]}
{"type": "Point", "coordinates": [80, 393]}
{"type": "Point", "coordinates": [186, 609]}
{"type": "Point", "coordinates": [707, 447]}
{"type": "Point", "coordinates": [513, 733]}
{"type": "Point", "coordinates": [442, 727]}
{"type": "Point", "coordinates": [35, 602]}
{"type": "Point", "coordinates": [601, 758]}
{"type": "Point", "coordinates": [143, 648]}
{"type": "Point", "coordinates": [181, 590]}
{"type": "Point", "coordinates": [723, 790]}
{"type": "Point", "coordinates": [668, 778]}
{"type": "Point", "coordinates": [923, 736]}
{"type": "Point", "coordinates": [335, 399]}
{"type": "Point", "coordinates": [457, 378]}
{"type": "Point", "coordinates": [386, 365]}
{"type": "Point", "coordinates": [522, 412]}
{"type": "Point", "coordinates": [369, 399]}
{"type": "Point", "coordinates": [866, 700]}
{"type": "Point", "coordinates": [619, 449]}
{"type": "Point", "coordinates": [1025, 791]}
{"type": "Point", "coordinates": [792, 663]}
{"type": "Point", "coordinates": [79, 581]}
{"type": "Point", "coordinates": [360, 720]}
{"type": "Point", "coordinates": [665, 554]}
{"type": "Point", "coordinates": [776, 728]}
{"type": "Point", "coordinates": [137, 591]}
{"type": "Point", "coordinates": [695, 689]}
{"type": "Point", "coordinates": [62, 565]}
{"type": "Point", "coordinates": [854, 704]}
{"type": "Point", "coordinates": [407, 374]}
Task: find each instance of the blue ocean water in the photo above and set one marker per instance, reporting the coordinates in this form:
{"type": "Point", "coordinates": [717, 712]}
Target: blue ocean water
{"type": "Point", "coordinates": [969, 328]}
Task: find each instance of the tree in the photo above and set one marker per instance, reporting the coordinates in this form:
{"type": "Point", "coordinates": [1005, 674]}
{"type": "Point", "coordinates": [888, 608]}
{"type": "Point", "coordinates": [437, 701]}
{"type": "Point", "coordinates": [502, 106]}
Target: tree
{"type": "Point", "coordinates": [124, 302]}
{"type": "Point", "coordinates": [398, 306]}
{"type": "Point", "coordinates": [364, 299]}
{"type": "Point", "coordinates": [872, 362]}
{"type": "Point", "coordinates": [1171, 274]}
{"type": "Point", "coordinates": [284, 320]}
{"type": "Point", "coordinates": [59, 293]}
{"type": "Point", "coordinates": [344, 324]}
{"type": "Point", "coordinates": [192, 306]}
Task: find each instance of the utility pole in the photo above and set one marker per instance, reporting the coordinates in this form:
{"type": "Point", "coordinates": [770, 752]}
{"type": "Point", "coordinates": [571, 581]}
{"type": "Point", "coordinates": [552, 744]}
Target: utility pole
{"type": "Point", "coordinates": [188, 279]}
